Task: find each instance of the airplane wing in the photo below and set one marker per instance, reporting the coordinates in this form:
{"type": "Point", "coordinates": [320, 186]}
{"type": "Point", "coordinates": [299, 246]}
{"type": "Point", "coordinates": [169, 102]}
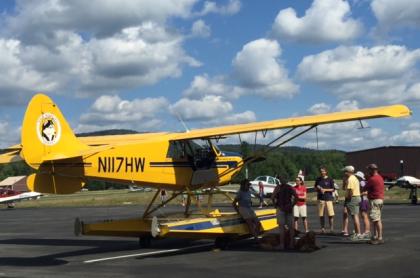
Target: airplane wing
{"type": "Point", "coordinates": [18, 196]}
{"type": "Point", "coordinates": [394, 111]}
{"type": "Point", "coordinates": [13, 153]}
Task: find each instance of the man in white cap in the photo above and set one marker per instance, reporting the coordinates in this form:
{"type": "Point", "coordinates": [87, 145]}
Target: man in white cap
{"type": "Point", "coordinates": [352, 199]}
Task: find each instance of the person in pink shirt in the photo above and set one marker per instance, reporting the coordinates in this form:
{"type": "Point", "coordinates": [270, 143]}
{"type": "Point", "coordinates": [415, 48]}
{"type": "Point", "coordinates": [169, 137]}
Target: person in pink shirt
{"type": "Point", "coordinates": [299, 210]}
{"type": "Point", "coordinates": [375, 189]}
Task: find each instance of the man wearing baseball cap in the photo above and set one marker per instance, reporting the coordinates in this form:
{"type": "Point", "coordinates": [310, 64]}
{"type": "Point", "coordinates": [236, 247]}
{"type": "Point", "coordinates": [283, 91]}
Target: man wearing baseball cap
{"type": "Point", "coordinates": [352, 199]}
{"type": "Point", "coordinates": [375, 191]}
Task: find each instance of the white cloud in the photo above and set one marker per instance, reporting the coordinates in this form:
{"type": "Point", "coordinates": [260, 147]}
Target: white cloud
{"type": "Point", "coordinates": [384, 74]}
{"type": "Point", "coordinates": [203, 85]}
{"type": "Point", "coordinates": [9, 134]}
{"type": "Point", "coordinates": [347, 105]}
{"type": "Point", "coordinates": [324, 21]}
{"type": "Point", "coordinates": [319, 108]}
{"type": "Point", "coordinates": [210, 111]}
{"type": "Point", "coordinates": [407, 137]}
{"type": "Point", "coordinates": [19, 79]}
{"type": "Point", "coordinates": [200, 29]}
{"type": "Point", "coordinates": [207, 108]}
{"type": "Point", "coordinates": [90, 48]}
{"type": "Point", "coordinates": [136, 56]}
{"type": "Point", "coordinates": [393, 14]}
{"type": "Point", "coordinates": [232, 7]}
{"type": "Point", "coordinates": [112, 112]}
{"type": "Point", "coordinates": [358, 63]}
{"type": "Point", "coordinates": [36, 21]}
{"type": "Point", "coordinates": [257, 68]}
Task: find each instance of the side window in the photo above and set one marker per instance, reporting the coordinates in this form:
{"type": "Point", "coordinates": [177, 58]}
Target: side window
{"type": "Point", "coordinates": [176, 150]}
{"type": "Point", "coordinates": [271, 180]}
{"type": "Point", "coordinates": [261, 178]}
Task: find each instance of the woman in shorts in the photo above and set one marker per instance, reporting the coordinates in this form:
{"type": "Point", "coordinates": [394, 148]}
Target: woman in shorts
{"type": "Point", "coordinates": [299, 210]}
{"type": "Point", "coordinates": [364, 205]}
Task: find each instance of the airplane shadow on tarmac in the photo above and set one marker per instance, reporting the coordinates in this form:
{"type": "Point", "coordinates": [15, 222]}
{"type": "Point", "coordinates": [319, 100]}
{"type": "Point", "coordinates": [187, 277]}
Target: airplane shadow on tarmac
{"type": "Point", "coordinates": [108, 246]}
{"type": "Point", "coordinates": [98, 247]}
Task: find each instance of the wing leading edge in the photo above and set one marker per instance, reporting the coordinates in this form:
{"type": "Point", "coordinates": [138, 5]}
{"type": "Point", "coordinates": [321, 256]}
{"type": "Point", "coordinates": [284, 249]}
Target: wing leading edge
{"type": "Point", "coordinates": [394, 111]}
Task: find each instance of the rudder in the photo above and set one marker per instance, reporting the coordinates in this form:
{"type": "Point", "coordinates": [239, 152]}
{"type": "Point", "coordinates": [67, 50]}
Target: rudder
{"type": "Point", "coordinates": [46, 135]}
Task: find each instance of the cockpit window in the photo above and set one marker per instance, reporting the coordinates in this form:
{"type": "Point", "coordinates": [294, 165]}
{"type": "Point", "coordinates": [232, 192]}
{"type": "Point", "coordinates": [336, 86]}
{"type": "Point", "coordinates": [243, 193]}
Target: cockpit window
{"type": "Point", "coordinates": [176, 150]}
{"type": "Point", "coordinates": [199, 152]}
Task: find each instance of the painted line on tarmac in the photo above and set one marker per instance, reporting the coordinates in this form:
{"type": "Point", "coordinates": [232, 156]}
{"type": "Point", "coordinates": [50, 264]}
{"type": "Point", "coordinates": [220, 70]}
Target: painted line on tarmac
{"type": "Point", "coordinates": [147, 254]}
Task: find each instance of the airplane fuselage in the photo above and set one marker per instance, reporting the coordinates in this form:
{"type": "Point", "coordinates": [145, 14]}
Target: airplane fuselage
{"type": "Point", "coordinates": [161, 163]}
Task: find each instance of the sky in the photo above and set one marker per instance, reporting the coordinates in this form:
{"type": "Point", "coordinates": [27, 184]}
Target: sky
{"type": "Point", "coordinates": [143, 65]}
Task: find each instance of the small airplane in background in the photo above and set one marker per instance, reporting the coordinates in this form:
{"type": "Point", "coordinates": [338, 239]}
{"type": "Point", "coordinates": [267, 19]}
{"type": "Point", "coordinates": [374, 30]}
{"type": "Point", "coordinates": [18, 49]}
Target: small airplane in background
{"type": "Point", "coordinates": [407, 182]}
{"type": "Point", "coordinates": [10, 197]}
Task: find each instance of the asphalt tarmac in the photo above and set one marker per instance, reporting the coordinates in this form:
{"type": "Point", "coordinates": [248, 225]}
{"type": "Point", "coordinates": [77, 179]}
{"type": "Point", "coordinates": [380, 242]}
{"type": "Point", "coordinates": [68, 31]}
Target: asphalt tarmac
{"type": "Point", "coordinates": [40, 243]}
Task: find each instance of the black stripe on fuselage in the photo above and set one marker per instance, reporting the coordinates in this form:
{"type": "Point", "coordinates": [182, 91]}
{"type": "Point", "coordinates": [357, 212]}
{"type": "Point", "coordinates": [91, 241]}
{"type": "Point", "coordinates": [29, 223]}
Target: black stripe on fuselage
{"type": "Point", "coordinates": [187, 164]}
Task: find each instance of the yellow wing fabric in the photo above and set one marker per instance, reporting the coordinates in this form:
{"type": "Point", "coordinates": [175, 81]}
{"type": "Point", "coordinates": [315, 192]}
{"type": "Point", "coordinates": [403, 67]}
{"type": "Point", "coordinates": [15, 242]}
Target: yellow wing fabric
{"type": "Point", "coordinates": [394, 111]}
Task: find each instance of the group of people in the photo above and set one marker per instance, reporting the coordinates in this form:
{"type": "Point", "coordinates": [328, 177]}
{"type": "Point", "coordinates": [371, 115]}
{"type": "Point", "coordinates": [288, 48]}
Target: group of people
{"type": "Point", "coordinates": [364, 195]}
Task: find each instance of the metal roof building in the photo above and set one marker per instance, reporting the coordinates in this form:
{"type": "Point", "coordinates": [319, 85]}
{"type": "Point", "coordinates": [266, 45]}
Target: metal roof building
{"type": "Point", "coordinates": [17, 183]}
{"type": "Point", "coordinates": [391, 160]}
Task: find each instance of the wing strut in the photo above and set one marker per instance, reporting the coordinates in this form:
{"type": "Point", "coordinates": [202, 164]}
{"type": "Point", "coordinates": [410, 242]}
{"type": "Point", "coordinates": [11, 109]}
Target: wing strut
{"type": "Point", "coordinates": [270, 148]}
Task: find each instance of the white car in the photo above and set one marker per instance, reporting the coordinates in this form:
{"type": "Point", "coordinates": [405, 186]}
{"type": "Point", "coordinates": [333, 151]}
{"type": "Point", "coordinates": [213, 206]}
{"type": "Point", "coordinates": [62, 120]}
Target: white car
{"type": "Point", "coordinates": [268, 182]}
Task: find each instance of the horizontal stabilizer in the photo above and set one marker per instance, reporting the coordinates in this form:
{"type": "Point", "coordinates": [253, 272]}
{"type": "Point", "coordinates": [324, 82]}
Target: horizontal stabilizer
{"type": "Point", "coordinates": [9, 157]}
{"type": "Point", "coordinates": [74, 153]}
{"type": "Point", "coordinates": [53, 184]}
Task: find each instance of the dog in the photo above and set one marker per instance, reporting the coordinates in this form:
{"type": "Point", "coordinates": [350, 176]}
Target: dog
{"type": "Point", "coordinates": [306, 243]}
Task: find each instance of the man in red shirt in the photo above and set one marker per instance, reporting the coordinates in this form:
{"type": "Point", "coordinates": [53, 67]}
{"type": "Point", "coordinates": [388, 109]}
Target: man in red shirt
{"type": "Point", "coordinates": [299, 210]}
{"type": "Point", "coordinates": [375, 192]}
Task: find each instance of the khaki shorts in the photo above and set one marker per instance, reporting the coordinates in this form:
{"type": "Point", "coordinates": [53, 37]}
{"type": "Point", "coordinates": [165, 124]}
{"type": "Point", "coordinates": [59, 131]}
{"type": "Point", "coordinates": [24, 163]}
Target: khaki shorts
{"type": "Point", "coordinates": [284, 218]}
{"type": "Point", "coordinates": [375, 209]}
{"type": "Point", "coordinates": [353, 205]}
{"type": "Point", "coordinates": [321, 207]}
{"type": "Point", "coordinates": [247, 213]}
{"type": "Point", "coordinates": [299, 211]}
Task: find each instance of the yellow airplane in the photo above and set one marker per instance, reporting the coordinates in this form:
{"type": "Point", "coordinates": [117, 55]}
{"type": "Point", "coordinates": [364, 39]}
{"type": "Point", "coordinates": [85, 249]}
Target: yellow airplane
{"type": "Point", "coordinates": [176, 161]}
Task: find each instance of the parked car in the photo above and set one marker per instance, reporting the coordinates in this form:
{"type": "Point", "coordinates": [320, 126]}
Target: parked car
{"type": "Point", "coordinates": [268, 182]}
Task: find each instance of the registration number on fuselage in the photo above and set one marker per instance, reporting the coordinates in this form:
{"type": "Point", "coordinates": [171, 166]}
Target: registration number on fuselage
{"type": "Point", "coordinates": [116, 164]}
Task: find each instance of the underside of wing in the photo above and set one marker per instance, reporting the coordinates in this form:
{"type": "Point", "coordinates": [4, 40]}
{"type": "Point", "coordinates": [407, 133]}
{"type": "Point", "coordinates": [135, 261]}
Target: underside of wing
{"type": "Point", "coordinates": [394, 111]}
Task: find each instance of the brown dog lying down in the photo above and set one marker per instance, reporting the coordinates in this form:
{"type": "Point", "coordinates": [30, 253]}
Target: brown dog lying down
{"type": "Point", "coordinates": [306, 243]}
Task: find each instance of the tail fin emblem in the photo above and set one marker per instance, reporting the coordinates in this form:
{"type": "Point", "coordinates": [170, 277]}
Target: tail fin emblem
{"type": "Point", "coordinates": [48, 129]}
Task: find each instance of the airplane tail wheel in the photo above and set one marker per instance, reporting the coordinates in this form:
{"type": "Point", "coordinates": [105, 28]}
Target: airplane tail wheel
{"type": "Point", "coordinates": [145, 241]}
{"type": "Point", "coordinates": [222, 242]}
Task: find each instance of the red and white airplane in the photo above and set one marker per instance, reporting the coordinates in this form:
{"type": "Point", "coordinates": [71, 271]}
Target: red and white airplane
{"type": "Point", "coordinates": [9, 197]}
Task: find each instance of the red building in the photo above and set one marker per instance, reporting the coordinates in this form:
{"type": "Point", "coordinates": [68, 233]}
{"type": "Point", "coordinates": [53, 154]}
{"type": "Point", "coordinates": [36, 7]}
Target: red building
{"type": "Point", "coordinates": [393, 161]}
